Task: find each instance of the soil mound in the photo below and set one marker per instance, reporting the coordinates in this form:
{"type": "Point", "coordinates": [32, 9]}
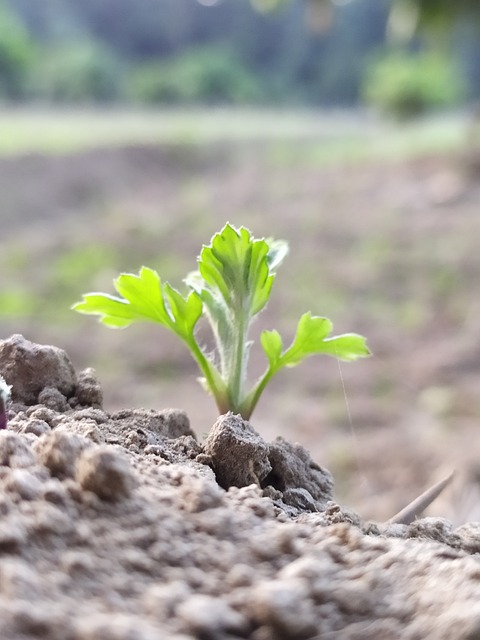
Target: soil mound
{"type": "Point", "coordinates": [124, 526]}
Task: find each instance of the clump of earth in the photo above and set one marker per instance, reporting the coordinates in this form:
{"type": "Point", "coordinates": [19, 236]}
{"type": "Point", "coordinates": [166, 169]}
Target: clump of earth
{"type": "Point", "coordinates": [126, 526]}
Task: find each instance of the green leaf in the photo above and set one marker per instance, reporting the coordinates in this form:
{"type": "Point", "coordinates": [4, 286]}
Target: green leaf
{"type": "Point", "coordinates": [312, 338]}
{"type": "Point", "coordinates": [347, 347]}
{"type": "Point", "coordinates": [271, 342]}
{"type": "Point", "coordinates": [113, 312]}
{"type": "Point", "coordinates": [144, 295]}
{"type": "Point", "coordinates": [234, 280]}
{"type": "Point", "coordinates": [184, 312]}
{"type": "Point", "coordinates": [238, 268]}
{"type": "Point", "coordinates": [233, 284]}
{"type": "Point", "coordinates": [144, 298]}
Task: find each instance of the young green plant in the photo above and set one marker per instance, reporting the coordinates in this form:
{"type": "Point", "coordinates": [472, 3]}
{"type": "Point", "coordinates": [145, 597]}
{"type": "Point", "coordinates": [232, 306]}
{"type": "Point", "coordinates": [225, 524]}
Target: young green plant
{"type": "Point", "coordinates": [5, 393]}
{"type": "Point", "coordinates": [231, 287]}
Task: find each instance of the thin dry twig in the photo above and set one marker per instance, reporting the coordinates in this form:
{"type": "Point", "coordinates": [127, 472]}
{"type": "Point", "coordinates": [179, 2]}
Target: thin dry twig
{"type": "Point", "coordinates": [418, 506]}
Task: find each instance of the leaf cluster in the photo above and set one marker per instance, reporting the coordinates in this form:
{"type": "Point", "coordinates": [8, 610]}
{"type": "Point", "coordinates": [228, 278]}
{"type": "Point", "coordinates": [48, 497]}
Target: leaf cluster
{"type": "Point", "coordinates": [231, 287]}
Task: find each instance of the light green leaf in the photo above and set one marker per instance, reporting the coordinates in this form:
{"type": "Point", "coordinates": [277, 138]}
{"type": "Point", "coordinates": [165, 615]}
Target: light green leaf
{"type": "Point", "coordinates": [277, 251]}
{"type": "Point", "coordinates": [271, 342]}
{"type": "Point", "coordinates": [312, 338]}
{"type": "Point", "coordinates": [348, 347]}
{"type": "Point", "coordinates": [184, 312]}
{"type": "Point", "coordinates": [113, 311]}
{"type": "Point", "coordinates": [232, 284]}
{"type": "Point", "coordinates": [234, 281]}
{"type": "Point", "coordinates": [237, 268]}
{"type": "Point", "coordinates": [144, 295]}
{"type": "Point", "coordinates": [309, 339]}
{"type": "Point", "coordinates": [144, 298]}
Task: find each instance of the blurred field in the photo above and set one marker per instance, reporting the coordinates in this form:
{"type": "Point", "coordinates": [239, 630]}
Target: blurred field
{"type": "Point", "coordinates": [344, 135]}
{"type": "Point", "coordinates": [383, 227]}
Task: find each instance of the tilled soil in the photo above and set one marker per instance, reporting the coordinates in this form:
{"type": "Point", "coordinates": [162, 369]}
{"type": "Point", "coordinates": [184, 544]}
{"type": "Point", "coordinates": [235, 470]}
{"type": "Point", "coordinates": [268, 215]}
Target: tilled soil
{"type": "Point", "coordinates": [123, 526]}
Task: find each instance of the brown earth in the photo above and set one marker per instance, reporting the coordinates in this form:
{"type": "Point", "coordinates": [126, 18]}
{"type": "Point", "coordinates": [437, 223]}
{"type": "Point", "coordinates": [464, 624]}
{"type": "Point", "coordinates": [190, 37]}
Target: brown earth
{"type": "Point", "coordinates": [123, 526]}
{"type": "Point", "coordinates": [388, 249]}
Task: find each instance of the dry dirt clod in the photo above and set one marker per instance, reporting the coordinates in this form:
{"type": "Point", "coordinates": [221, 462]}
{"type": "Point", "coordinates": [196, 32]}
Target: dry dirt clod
{"type": "Point", "coordinates": [200, 494]}
{"type": "Point", "coordinates": [285, 606]}
{"type": "Point", "coordinates": [14, 451]}
{"type": "Point", "coordinates": [30, 367]}
{"type": "Point", "coordinates": [53, 399]}
{"type": "Point", "coordinates": [88, 391]}
{"type": "Point", "coordinates": [210, 616]}
{"type": "Point", "coordinates": [27, 485]}
{"type": "Point", "coordinates": [169, 423]}
{"type": "Point", "coordinates": [172, 423]}
{"type": "Point", "coordinates": [302, 481]}
{"type": "Point", "coordinates": [286, 472]}
{"type": "Point", "coordinates": [37, 427]}
{"type": "Point", "coordinates": [59, 452]}
{"type": "Point", "coordinates": [116, 626]}
{"type": "Point", "coordinates": [106, 473]}
{"type": "Point", "coordinates": [237, 454]}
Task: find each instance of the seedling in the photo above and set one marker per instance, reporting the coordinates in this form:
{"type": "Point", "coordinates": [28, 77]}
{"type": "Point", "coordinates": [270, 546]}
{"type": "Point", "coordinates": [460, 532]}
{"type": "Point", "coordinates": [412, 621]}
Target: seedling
{"type": "Point", "coordinates": [231, 287]}
{"type": "Point", "coordinates": [4, 398]}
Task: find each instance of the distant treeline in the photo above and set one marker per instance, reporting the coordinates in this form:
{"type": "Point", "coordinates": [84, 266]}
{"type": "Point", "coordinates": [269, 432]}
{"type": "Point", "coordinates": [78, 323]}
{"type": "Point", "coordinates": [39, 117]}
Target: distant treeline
{"type": "Point", "coordinates": [181, 51]}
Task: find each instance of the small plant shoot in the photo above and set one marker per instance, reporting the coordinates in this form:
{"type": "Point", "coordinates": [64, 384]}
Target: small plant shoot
{"type": "Point", "coordinates": [5, 392]}
{"type": "Point", "coordinates": [230, 288]}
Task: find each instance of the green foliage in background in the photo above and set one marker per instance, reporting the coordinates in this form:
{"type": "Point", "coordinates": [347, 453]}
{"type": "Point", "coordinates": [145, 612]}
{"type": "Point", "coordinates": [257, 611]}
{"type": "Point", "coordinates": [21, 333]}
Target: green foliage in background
{"type": "Point", "coordinates": [77, 72]}
{"type": "Point", "coordinates": [311, 52]}
{"type": "Point", "coordinates": [183, 52]}
{"type": "Point", "coordinates": [443, 13]}
{"type": "Point", "coordinates": [405, 85]}
{"type": "Point", "coordinates": [16, 55]}
{"type": "Point", "coordinates": [204, 75]}
{"type": "Point", "coordinates": [428, 13]}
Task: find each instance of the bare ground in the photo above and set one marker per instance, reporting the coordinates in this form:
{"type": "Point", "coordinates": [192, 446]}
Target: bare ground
{"type": "Point", "coordinates": [123, 526]}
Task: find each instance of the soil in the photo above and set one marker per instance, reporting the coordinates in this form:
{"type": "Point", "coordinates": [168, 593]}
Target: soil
{"type": "Point", "coordinates": [123, 526]}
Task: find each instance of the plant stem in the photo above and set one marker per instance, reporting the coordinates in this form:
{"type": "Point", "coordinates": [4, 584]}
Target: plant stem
{"type": "Point", "coordinates": [236, 364]}
{"type": "Point", "coordinates": [254, 396]}
{"type": "Point", "coordinates": [3, 414]}
{"type": "Point", "coordinates": [213, 379]}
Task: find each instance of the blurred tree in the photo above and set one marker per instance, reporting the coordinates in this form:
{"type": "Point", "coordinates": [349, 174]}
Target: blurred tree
{"type": "Point", "coordinates": [437, 21]}
{"type": "Point", "coordinates": [80, 71]}
{"type": "Point", "coordinates": [443, 24]}
{"type": "Point", "coordinates": [348, 48]}
{"type": "Point", "coordinates": [449, 24]}
{"type": "Point", "coordinates": [409, 15]}
{"type": "Point", "coordinates": [309, 51]}
{"type": "Point", "coordinates": [16, 52]}
{"type": "Point", "coordinates": [205, 75]}
{"type": "Point", "coordinates": [435, 13]}
{"type": "Point", "coordinates": [406, 84]}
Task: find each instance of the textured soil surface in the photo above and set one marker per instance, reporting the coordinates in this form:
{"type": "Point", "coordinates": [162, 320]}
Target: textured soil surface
{"type": "Point", "coordinates": [124, 526]}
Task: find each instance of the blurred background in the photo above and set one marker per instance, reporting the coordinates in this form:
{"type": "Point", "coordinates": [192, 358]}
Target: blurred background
{"type": "Point", "coordinates": [132, 130]}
